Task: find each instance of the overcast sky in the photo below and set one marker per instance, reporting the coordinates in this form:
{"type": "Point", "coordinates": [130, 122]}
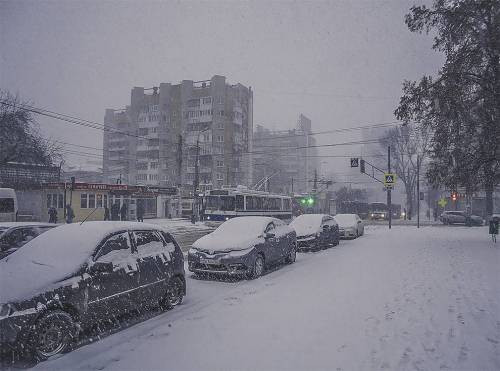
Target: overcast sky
{"type": "Point", "coordinates": [341, 63]}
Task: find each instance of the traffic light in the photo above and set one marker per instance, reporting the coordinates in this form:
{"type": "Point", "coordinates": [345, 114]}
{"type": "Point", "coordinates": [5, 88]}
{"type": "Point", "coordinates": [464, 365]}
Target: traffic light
{"type": "Point", "coordinates": [307, 201]}
{"type": "Point", "coordinates": [454, 196]}
{"type": "Point", "coordinates": [362, 166]}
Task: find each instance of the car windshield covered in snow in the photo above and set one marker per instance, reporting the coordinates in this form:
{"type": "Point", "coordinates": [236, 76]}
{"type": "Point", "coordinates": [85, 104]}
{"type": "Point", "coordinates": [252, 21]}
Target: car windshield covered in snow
{"type": "Point", "coordinates": [345, 219]}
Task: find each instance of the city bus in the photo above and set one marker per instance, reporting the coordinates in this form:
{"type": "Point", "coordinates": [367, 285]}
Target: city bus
{"type": "Point", "coordinates": [219, 205]}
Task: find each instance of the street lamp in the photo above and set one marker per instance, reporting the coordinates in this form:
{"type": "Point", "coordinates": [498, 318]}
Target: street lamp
{"type": "Point", "coordinates": [196, 181]}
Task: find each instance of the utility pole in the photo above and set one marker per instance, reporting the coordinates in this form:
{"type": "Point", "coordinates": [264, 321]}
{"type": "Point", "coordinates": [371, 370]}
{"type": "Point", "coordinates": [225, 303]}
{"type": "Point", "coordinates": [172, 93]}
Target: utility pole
{"type": "Point", "coordinates": [418, 191]}
{"type": "Point", "coordinates": [292, 186]}
{"type": "Point", "coordinates": [195, 182]}
{"type": "Point", "coordinates": [179, 161]}
{"type": "Point", "coordinates": [389, 206]}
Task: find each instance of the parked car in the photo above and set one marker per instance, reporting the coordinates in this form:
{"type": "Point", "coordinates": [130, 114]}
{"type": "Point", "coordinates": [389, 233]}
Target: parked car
{"type": "Point", "coordinates": [244, 246]}
{"type": "Point", "coordinates": [350, 225]}
{"type": "Point", "coordinates": [315, 231]}
{"type": "Point", "coordinates": [15, 234]}
{"type": "Point", "coordinates": [460, 217]}
{"type": "Point", "coordinates": [79, 274]}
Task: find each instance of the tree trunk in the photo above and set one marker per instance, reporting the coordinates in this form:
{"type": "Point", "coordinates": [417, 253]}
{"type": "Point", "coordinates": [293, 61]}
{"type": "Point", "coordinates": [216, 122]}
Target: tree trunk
{"type": "Point", "coordinates": [488, 188]}
{"type": "Point", "coordinates": [409, 202]}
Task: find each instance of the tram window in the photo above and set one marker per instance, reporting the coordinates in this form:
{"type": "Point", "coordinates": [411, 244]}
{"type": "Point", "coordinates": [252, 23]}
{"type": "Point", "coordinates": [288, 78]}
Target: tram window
{"type": "Point", "coordinates": [227, 203]}
{"type": "Point", "coordinates": [212, 202]}
{"type": "Point", "coordinates": [240, 205]}
{"type": "Point", "coordinates": [286, 205]}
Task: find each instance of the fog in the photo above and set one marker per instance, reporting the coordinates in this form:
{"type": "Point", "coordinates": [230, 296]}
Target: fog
{"type": "Point", "coordinates": [341, 63]}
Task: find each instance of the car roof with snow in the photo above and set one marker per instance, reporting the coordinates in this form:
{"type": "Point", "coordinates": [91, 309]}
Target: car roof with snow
{"type": "Point", "coordinates": [307, 223]}
{"type": "Point", "coordinates": [26, 224]}
{"type": "Point", "coordinates": [237, 233]}
{"type": "Point", "coordinates": [55, 255]}
{"type": "Point", "coordinates": [345, 219]}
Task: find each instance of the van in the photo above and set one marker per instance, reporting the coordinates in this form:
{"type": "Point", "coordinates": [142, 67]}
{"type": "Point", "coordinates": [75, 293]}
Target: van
{"type": "Point", "coordinates": [8, 205]}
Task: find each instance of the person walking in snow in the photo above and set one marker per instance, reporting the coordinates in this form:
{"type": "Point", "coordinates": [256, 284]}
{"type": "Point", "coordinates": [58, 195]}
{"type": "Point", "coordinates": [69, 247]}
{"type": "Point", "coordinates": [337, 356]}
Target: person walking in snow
{"type": "Point", "coordinates": [140, 212]}
{"type": "Point", "coordinates": [52, 215]}
{"type": "Point", "coordinates": [115, 211]}
{"type": "Point", "coordinates": [123, 212]}
{"type": "Point", "coordinates": [70, 215]}
{"type": "Point", "coordinates": [106, 213]}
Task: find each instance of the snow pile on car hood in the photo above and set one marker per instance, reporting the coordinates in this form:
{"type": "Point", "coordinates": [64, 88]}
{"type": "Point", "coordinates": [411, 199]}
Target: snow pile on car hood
{"type": "Point", "coordinates": [235, 234]}
{"type": "Point", "coordinates": [54, 256]}
{"type": "Point", "coordinates": [345, 220]}
{"type": "Point", "coordinates": [307, 224]}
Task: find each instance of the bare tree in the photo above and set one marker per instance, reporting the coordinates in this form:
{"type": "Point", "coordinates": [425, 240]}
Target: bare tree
{"type": "Point", "coordinates": [20, 139]}
{"type": "Point", "coordinates": [407, 143]}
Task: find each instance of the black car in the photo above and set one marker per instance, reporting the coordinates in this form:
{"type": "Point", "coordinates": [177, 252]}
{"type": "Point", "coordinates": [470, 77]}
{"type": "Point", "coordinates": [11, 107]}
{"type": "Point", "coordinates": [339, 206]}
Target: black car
{"type": "Point", "coordinates": [315, 231]}
{"type": "Point", "coordinates": [13, 235]}
{"type": "Point", "coordinates": [243, 246]}
{"type": "Point", "coordinates": [460, 217]}
{"type": "Point", "coordinates": [79, 274]}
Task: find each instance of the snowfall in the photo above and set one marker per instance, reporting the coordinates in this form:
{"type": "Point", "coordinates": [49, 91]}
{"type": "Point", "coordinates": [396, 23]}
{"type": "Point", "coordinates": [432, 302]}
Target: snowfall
{"type": "Point", "coordinates": [404, 299]}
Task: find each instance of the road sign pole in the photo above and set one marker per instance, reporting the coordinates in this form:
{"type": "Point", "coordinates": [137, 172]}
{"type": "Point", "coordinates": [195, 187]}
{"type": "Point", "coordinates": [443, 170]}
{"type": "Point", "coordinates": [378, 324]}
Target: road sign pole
{"type": "Point", "coordinates": [389, 206]}
{"type": "Point", "coordinates": [418, 191]}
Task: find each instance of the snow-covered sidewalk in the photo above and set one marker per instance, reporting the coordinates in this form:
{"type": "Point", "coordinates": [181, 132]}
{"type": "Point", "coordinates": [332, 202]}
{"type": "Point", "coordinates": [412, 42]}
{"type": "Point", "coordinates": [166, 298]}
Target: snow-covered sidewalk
{"type": "Point", "coordinates": [403, 299]}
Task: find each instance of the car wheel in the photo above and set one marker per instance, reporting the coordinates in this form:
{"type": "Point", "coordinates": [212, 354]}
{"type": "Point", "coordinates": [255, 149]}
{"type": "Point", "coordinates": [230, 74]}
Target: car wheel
{"type": "Point", "coordinates": [292, 256]}
{"type": "Point", "coordinates": [174, 294]}
{"type": "Point", "coordinates": [258, 267]}
{"type": "Point", "coordinates": [52, 334]}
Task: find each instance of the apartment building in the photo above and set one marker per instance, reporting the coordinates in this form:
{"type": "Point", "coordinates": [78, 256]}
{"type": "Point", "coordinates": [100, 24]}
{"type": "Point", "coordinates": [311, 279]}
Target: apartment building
{"type": "Point", "coordinates": [288, 157]}
{"type": "Point", "coordinates": [153, 141]}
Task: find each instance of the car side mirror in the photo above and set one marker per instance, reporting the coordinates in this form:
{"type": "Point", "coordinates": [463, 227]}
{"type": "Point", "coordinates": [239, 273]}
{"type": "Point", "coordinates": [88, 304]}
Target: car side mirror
{"type": "Point", "coordinates": [269, 235]}
{"type": "Point", "coordinates": [359, 221]}
{"type": "Point", "coordinates": [101, 267]}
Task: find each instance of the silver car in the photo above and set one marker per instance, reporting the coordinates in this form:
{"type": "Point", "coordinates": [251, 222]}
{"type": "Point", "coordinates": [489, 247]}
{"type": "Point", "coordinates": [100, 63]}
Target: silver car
{"type": "Point", "coordinates": [350, 225]}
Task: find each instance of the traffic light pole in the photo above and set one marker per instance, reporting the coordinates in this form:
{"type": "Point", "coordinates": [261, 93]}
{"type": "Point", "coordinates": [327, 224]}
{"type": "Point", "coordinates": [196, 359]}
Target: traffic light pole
{"type": "Point", "coordinates": [389, 200]}
{"type": "Point", "coordinates": [418, 191]}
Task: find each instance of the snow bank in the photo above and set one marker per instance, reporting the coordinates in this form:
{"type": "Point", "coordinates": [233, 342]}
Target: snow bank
{"type": "Point", "coordinates": [235, 234]}
{"type": "Point", "coordinates": [54, 256]}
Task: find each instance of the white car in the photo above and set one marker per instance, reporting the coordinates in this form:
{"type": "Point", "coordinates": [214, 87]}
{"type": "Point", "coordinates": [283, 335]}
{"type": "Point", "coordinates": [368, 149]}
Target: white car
{"type": "Point", "coordinates": [350, 225]}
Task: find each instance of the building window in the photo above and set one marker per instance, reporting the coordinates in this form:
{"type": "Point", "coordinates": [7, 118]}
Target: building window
{"type": "Point", "coordinates": [220, 125]}
{"type": "Point", "coordinates": [99, 201]}
{"type": "Point", "coordinates": [220, 138]}
{"type": "Point", "coordinates": [92, 201]}
{"type": "Point", "coordinates": [220, 176]}
{"type": "Point", "coordinates": [153, 165]}
{"type": "Point", "coordinates": [83, 201]}
{"type": "Point", "coordinates": [221, 113]}
{"type": "Point", "coordinates": [220, 163]}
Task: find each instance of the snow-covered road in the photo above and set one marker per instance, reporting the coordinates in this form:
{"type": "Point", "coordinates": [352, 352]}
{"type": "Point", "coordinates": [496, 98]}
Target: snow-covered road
{"type": "Point", "coordinates": [406, 299]}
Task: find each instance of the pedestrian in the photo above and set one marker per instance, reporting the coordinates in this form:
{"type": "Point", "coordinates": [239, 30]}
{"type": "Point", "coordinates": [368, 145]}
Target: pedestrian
{"type": "Point", "coordinates": [70, 215]}
{"type": "Point", "coordinates": [404, 212]}
{"type": "Point", "coordinates": [494, 222]}
{"type": "Point", "coordinates": [106, 213]}
{"type": "Point", "coordinates": [115, 211]}
{"type": "Point", "coordinates": [123, 212]}
{"type": "Point", "coordinates": [140, 212]}
{"type": "Point", "coordinates": [52, 215]}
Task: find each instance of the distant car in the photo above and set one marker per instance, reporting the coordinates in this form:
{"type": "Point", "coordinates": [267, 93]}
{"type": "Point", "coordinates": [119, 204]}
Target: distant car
{"type": "Point", "coordinates": [78, 274]}
{"type": "Point", "coordinates": [350, 225]}
{"type": "Point", "coordinates": [243, 246]}
{"type": "Point", "coordinates": [315, 231]}
{"type": "Point", "coordinates": [460, 217]}
{"type": "Point", "coordinates": [15, 234]}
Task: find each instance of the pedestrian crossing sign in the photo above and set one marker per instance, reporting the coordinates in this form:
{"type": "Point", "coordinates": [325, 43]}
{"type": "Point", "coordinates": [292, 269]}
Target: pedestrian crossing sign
{"type": "Point", "coordinates": [389, 180]}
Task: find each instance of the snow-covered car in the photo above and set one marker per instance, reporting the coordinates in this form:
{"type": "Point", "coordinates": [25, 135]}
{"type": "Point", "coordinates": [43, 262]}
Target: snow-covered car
{"type": "Point", "coordinates": [78, 274]}
{"type": "Point", "coordinates": [460, 217]}
{"type": "Point", "coordinates": [350, 225]}
{"type": "Point", "coordinates": [13, 235]}
{"type": "Point", "coordinates": [315, 231]}
{"type": "Point", "coordinates": [243, 246]}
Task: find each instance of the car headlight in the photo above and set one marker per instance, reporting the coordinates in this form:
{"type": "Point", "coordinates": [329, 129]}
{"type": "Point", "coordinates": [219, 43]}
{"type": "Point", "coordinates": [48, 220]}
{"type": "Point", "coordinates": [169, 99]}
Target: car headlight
{"type": "Point", "coordinates": [383, 215]}
{"type": "Point", "coordinates": [192, 251]}
{"type": "Point", "coordinates": [6, 310]}
{"type": "Point", "coordinates": [208, 217]}
{"type": "Point", "coordinates": [373, 215]}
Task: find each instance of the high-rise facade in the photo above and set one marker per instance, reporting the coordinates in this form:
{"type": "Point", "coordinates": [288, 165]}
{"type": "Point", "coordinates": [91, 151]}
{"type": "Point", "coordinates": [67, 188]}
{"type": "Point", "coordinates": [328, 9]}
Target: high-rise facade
{"type": "Point", "coordinates": [288, 157]}
{"type": "Point", "coordinates": [153, 141]}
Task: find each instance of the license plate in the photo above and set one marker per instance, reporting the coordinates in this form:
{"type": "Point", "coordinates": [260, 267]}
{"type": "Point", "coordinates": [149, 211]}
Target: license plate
{"type": "Point", "coordinates": [209, 261]}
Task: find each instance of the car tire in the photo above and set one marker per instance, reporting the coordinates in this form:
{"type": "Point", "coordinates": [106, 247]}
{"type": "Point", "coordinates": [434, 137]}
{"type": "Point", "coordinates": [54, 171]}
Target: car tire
{"type": "Point", "coordinates": [257, 268]}
{"type": "Point", "coordinates": [52, 334]}
{"type": "Point", "coordinates": [173, 295]}
{"type": "Point", "coordinates": [292, 256]}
